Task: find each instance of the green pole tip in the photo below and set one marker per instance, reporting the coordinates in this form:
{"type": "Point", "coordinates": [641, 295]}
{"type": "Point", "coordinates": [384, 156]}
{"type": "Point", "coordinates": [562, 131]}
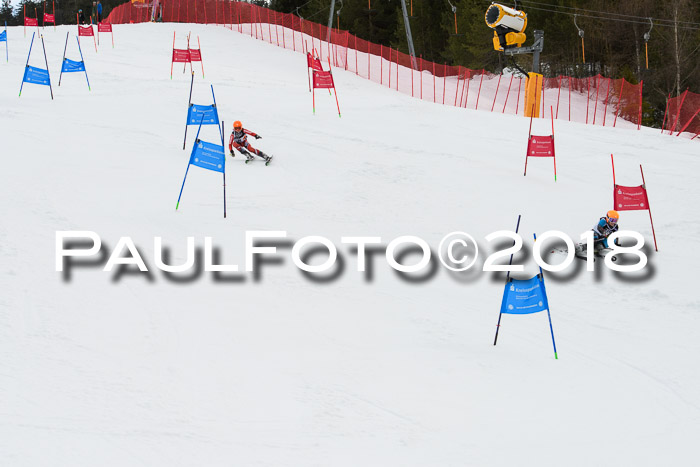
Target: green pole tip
{"type": "Point", "coordinates": [556, 357]}
{"type": "Point", "coordinates": [177, 205]}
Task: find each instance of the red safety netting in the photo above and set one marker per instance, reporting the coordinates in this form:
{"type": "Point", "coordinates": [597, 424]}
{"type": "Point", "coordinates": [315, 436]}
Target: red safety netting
{"type": "Point", "coordinates": [595, 100]}
{"type": "Point", "coordinates": [683, 114]}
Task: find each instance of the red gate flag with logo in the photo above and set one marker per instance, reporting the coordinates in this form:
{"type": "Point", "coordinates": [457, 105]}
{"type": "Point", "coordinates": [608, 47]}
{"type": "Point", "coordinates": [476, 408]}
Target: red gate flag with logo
{"type": "Point", "coordinates": [632, 198]}
{"type": "Point", "coordinates": [314, 63]}
{"type": "Point", "coordinates": [324, 80]}
{"type": "Point", "coordinates": [196, 54]}
{"type": "Point", "coordinates": [541, 146]}
{"type": "Point", "coordinates": [87, 31]}
{"type": "Point", "coordinates": [104, 27]}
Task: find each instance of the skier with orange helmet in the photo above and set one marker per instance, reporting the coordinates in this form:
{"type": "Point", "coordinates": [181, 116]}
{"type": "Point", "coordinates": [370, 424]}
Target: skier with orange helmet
{"type": "Point", "coordinates": [605, 227]}
{"type": "Point", "coordinates": [239, 141]}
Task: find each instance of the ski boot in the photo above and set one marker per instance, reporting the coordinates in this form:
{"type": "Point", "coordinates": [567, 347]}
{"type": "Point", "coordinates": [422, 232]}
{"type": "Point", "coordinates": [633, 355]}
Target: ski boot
{"type": "Point", "coordinates": [265, 157]}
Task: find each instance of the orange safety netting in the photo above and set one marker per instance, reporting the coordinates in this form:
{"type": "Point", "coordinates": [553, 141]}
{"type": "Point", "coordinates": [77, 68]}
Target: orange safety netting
{"type": "Point", "coordinates": [594, 100]}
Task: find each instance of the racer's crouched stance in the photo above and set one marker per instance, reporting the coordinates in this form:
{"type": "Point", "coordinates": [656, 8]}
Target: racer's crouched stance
{"type": "Point", "coordinates": [239, 141]}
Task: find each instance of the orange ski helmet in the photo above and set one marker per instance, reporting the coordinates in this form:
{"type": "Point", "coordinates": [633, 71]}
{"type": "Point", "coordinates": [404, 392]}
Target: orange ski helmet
{"type": "Point", "coordinates": [237, 125]}
{"type": "Point", "coordinates": [612, 216]}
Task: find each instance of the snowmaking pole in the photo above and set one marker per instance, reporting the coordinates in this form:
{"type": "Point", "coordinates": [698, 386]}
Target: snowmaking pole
{"type": "Point", "coordinates": [500, 314]}
{"type": "Point", "coordinates": [409, 38]}
{"type": "Point", "coordinates": [330, 22]}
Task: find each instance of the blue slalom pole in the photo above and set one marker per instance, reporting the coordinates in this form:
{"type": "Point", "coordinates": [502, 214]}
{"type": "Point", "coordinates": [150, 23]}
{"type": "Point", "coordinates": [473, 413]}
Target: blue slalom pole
{"type": "Point", "coordinates": [217, 113]}
{"type": "Point", "coordinates": [63, 60]}
{"type": "Point", "coordinates": [189, 105]}
{"type": "Point", "coordinates": [549, 317]}
{"type": "Point", "coordinates": [47, 65]}
{"type": "Point", "coordinates": [26, 65]}
{"type": "Point", "coordinates": [224, 171]}
{"type": "Point", "coordinates": [498, 326]}
{"type": "Point", "coordinates": [83, 60]}
{"type": "Point", "coordinates": [188, 165]}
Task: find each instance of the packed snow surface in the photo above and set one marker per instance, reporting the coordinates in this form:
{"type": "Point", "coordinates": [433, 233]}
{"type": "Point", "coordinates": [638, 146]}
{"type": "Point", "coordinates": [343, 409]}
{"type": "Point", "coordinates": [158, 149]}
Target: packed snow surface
{"type": "Point", "coordinates": [367, 368]}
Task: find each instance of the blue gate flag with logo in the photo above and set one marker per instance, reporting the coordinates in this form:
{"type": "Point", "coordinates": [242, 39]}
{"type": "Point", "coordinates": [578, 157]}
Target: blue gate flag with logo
{"type": "Point", "coordinates": [195, 113]}
{"type": "Point", "coordinates": [523, 297]}
{"type": "Point", "coordinates": [36, 76]}
{"type": "Point", "coordinates": [70, 66]}
{"type": "Point", "coordinates": [3, 36]}
{"type": "Point", "coordinates": [208, 156]}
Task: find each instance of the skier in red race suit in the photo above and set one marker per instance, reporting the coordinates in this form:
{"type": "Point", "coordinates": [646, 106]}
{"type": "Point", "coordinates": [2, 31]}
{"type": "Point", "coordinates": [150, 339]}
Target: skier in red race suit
{"type": "Point", "coordinates": [239, 140]}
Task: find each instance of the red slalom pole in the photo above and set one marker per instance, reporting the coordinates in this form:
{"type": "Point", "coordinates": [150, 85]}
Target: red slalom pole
{"type": "Point", "coordinates": [336, 98]}
{"type": "Point", "coordinates": [172, 62]}
{"type": "Point", "coordinates": [644, 184]}
{"type": "Point", "coordinates": [612, 161]}
{"type": "Point", "coordinates": [554, 153]}
{"type": "Point", "coordinates": [201, 61]}
{"type": "Point", "coordinates": [529, 133]}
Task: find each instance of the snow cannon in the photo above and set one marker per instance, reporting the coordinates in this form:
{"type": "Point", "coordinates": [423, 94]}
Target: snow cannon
{"type": "Point", "coordinates": [508, 25]}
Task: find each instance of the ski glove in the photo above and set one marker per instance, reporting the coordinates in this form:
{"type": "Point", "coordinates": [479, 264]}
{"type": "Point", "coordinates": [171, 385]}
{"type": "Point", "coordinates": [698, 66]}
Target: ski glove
{"type": "Point", "coordinates": [258, 136]}
{"type": "Point", "coordinates": [233, 154]}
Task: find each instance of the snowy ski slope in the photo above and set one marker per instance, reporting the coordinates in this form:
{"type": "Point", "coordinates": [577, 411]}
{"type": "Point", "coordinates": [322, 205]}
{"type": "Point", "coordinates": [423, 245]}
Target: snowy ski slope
{"type": "Point", "coordinates": [363, 369]}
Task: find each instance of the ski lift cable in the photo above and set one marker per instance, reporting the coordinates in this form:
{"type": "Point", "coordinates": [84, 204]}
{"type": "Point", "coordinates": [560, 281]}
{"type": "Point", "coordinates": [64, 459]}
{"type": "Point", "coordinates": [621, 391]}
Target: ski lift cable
{"type": "Point", "coordinates": [609, 13]}
{"type": "Point", "coordinates": [296, 10]}
{"type": "Point", "coordinates": [615, 19]}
